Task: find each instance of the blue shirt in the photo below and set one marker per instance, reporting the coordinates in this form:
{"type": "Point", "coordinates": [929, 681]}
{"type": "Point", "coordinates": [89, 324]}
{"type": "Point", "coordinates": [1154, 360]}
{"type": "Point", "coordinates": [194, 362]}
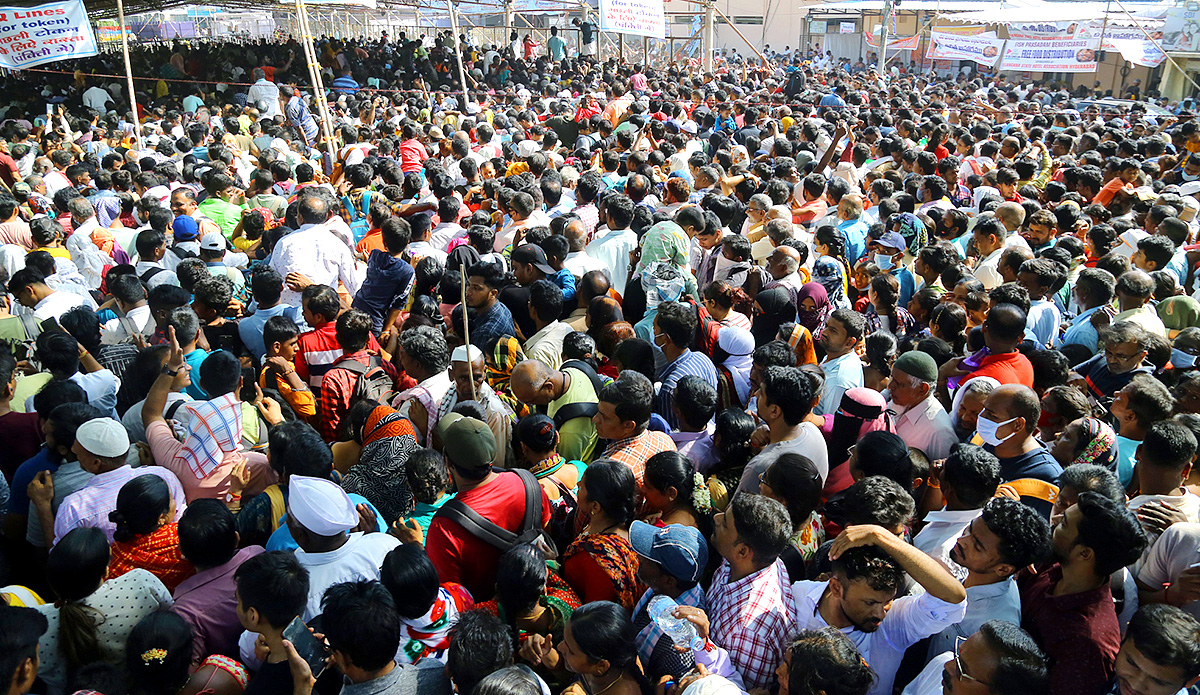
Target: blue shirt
{"type": "Point", "coordinates": [18, 501]}
{"type": "Point", "coordinates": [841, 374]}
{"type": "Point", "coordinates": [498, 321]}
{"type": "Point", "coordinates": [566, 282]}
{"type": "Point", "coordinates": [344, 84]}
{"type": "Point", "coordinates": [1126, 453]}
{"type": "Point", "coordinates": [194, 359]}
{"type": "Point", "coordinates": [687, 364]}
{"type": "Point", "coordinates": [1082, 332]}
{"type": "Point", "coordinates": [908, 284]}
{"type": "Point", "coordinates": [855, 232]}
{"type": "Point", "coordinates": [385, 287]}
{"type": "Point", "coordinates": [1043, 320]}
{"type": "Point", "coordinates": [832, 100]}
{"type": "Point", "coordinates": [250, 329]}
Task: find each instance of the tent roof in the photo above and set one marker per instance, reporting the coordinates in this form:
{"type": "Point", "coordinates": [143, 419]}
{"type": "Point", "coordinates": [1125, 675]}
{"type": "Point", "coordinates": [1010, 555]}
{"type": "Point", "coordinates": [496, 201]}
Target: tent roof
{"type": "Point", "coordinates": [107, 9]}
{"type": "Point", "coordinates": [1005, 11]}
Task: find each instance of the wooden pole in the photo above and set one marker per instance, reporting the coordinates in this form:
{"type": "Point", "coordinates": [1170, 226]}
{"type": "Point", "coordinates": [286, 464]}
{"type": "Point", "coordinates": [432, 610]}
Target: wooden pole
{"type": "Point", "coordinates": [137, 121]}
{"type": "Point", "coordinates": [467, 337]}
{"type": "Point", "coordinates": [458, 49]}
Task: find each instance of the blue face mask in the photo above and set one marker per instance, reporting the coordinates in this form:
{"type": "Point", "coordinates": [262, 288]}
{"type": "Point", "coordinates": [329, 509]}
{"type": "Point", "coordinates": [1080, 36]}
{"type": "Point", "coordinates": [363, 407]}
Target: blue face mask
{"type": "Point", "coordinates": [884, 261]}
{"type": "Point", "coordinates": [1181, 359]}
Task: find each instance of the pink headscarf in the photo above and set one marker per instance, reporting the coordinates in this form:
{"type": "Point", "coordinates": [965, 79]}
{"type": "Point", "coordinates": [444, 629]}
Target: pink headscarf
{"type": "Point", "coordinates": [862, 410]}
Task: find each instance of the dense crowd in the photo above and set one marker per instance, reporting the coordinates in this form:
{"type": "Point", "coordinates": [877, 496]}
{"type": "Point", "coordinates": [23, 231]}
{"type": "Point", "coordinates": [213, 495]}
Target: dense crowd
{"type": "Point", "coordinates": [593, 379]}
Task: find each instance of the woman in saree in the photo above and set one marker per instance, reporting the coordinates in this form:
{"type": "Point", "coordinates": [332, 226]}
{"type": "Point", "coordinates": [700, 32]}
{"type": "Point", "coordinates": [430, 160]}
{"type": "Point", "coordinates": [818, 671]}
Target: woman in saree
{"type": "Point", "coordinates": [387, 439]}
{"type": "Point", "coordinates": [600, 565]}
{"type": "Point", "coordinates": [499, 360]}
{"type": "Point", "coordinates": [146, 536]}
{"type": "Point", "coordinates": [530, 599]}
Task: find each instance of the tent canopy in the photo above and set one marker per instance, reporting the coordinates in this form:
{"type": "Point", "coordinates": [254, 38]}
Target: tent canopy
{"type": "Point", "coordinates": [1007, 11]}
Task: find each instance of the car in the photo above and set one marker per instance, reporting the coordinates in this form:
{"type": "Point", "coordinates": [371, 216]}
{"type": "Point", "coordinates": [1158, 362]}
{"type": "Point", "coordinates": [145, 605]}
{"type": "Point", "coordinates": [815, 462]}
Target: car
{"type": "Point", "coordinates": [1121, 105]}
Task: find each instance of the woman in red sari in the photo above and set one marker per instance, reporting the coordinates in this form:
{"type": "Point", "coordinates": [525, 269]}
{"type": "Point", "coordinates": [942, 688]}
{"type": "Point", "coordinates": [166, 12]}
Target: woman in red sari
{"type": "Point", "coordinates": [146, 536]}
{"type": "Point", "coordinates": [601, 564]}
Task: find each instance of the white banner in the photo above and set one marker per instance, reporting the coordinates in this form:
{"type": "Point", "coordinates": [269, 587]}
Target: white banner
{"type": "Point", "coordinates": [31, 36]}
{"type": "Point", "coordinates": [981, 49]}
{"type": "Point", "coordinates": [1044, 30]}
{"type": "Point", "coordinates": [1142, 52]}
{"type": "Point", "coordinates": [1051, 55]}
{"type": "Point", "coordinates": [638, 17]}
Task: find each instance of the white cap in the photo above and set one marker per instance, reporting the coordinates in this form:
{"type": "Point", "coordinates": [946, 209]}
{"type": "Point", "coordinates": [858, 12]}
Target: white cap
{"type": "Point", "coordinates": [213, 241]}
{"type": "Point", "coordinates": [688, 127]}
{"type": "Point", "coordinates": [1189, 188]}
{"type": "Point", "coordinates": [526, 148]}
{"type": "Point", "coordinates": [104, 437]}
{"type": "Point", "coordinates": [320, 506]}
{"type": "Point", "coordinates": [461, 353]}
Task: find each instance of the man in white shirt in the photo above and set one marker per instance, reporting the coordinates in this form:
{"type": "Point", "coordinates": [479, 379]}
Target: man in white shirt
{"type": "Point", "coordinates": [612, 248]}
{"type": "Point", "coordinates": [998, 647]}
{"type": "Point", "coordinates": [577, 260]}
{"type": "Point", "coordinates": [30, 289]}
{"type": "Point", "coordinates": [97, 98]}
{"type": "Point", "coordinates": [869, 563]}
{"type": "Point", "coordinates": [842, 366]}
{"type": "Point", "coordinates": [266, 91]}
{"type": "Point", "coordinates": [784, 266]}
{"type": "Point", "coordinates": [313, 252]}
{"type": "Point", "coordinates": [967, 479]}
{"type": "Point", "coordinates": [1006, 536]}
{"type": "Point", "coordinates": [133, 311]}
{"type": "Point", "coordinates": [1164, 462]}
{"type": "Point", "coordinates": [921, 420]}
{"type": "Point", "coordinates": [990, 234]}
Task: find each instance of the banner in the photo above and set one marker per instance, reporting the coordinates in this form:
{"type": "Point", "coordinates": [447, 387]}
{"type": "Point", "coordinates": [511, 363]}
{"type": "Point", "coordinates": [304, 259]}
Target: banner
{"type": "Point", "coordinates": [638, 17]}
{"type": "Point", "coordinates": [1143, 52]}
{"type": "Point", "coordinates": [849, 28]}
{"type": "Point", "coordinates": [981, 49]}
{"type": "Point", "coordinates": [1053, 55]}
{"type": "Point", "coordinates": [31, 36]}
{"type": "Point", "coordinates": [1044, 30]}
{"type": "Point", "coordinates": [966, 30]}
{"type": "Point", "coordinates": [898, 43]}
{"type": "Point", "coordinates": [1181, 31]}
{"type": "Point", "coordinates": [818, 26]}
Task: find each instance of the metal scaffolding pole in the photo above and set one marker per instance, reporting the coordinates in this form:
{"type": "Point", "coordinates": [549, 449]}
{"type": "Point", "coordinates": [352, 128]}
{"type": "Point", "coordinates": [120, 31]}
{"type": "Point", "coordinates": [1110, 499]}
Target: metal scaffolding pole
{"type": "Point", "coordinates": [314, 71]}
{"type": "Point", "coordinates": [458, 49]}
{"type": "Point", "coordinates": [709, 42]}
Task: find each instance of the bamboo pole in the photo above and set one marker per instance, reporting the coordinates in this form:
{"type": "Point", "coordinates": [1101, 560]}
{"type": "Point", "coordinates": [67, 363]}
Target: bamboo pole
{"type": "Point", "coordinates": [137, 121]}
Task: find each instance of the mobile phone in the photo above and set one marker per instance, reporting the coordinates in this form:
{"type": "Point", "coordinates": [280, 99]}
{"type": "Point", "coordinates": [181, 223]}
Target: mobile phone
{"type": "Point", "coordinates": [49, 110]}
{"type": "Point", "coordinates": [306, 645]}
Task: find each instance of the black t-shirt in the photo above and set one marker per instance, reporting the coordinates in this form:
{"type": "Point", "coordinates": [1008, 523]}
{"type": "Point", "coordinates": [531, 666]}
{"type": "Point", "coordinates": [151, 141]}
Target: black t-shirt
{"type": "Point", "coordinates": [587, 29]}
{"type": "Point", "coordinates": [516, 298]}
{"type": "Point", "coordinates": [271, 679]}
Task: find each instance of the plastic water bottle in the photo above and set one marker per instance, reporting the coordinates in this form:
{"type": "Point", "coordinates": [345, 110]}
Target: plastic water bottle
{"type": "Point", "coordinates": [681, 630]}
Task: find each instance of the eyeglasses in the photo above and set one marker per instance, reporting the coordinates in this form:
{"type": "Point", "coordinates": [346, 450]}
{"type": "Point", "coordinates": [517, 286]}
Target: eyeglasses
{"type": "Point", "coordinates": [958, 663]}
{"type": "Point", "coordinates": [1118, 356]}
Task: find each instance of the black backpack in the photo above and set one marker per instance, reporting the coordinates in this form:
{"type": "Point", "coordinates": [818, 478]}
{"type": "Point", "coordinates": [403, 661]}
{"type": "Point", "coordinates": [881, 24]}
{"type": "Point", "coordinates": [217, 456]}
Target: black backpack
{"type": "Point", "coordinates": [573, 410]}
{"type": "Point", "coordinates": [493, 534]}
{"type": "Point", "coordinates": [796, 84]}
{"type": "Point", "coordinates": [372, 382]}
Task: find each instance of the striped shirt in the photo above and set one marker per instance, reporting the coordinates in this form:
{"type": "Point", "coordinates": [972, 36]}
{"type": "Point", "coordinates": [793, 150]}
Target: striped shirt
{"type": "Point", "coordinates": [90, 505]}
{"type": "Point", "coordinates": [690, 363]}
{"type": "Point", "coordinates": [318, 350]}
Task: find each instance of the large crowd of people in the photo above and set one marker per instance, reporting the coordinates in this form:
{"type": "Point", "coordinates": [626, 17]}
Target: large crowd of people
{"type": "Point", "coordinates": [594, 379]}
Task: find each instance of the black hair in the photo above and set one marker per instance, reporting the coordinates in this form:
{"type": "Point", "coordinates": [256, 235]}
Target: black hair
{"type": "Point", "coordinates": [1111, 531]}
{"type": "Point", "coordinates": [161, 630]}
{"type": "Point", "coordinates": [795, 478]}
{"type": "Point", "coordinates": [872, 500]}
{"type": "Point", "coordinates": [1168, 444]}
{"type": "Point", "coordinates": [411, 578]}
{"type": "Point", "coordinates": [275, 584]}
{"type": "Point", "coordinates": [279, 329]}
{"type": "Point", "coordinates": [75, 569]}
{"type": "Point", "coordinates": [677, 321]}
{"type": "Point", "coordinates": [762, 524]}
{"type": "Point", "coordinates": [611, 485]}
{"type": "Point", "coordinates": [140, 503]}
{"type": "Point", "coordinates": [632, 394]}
{"type": "Point", "coordinates": [20, 630]}
{"type": "Point", "coordinates": [322, 300]}
{"type": "Point", "coordinates": [826, 661]}
{"type": "Point", "coordinates": [266, 285]}
{"type": "Point", "coordinates": [671, 469]}
{"type": "Point", "coordinates": [297, 449]}
{"type": "Point", "coordinates": [427, 475]}
{"type": "Point", "coordinates": [207, 533]}
{"type": "Point", "coordinates": [790, 390]}
{"type": "Point", "coordinates": [871, 564]}
{"type": "Point", "coordinates": [1167, 636]}
{"type": "Point", "coordinates": [603, 630]}
{"type": "Point", "coordinates": [359, 619]}
{"type": "Point", "coordinates": [546, 298]}
{"type": "Point", "coordinates": [220, 373]}
{"type": "Point", "coordinates": [520, 581]}
{"type": "Point", "coordinates": [56, 393]}
{"type": "Point", "coordinates": [1023, 533]}
{"type": "Point", "coordinates": [696, 400]}
{"type": "Point", "coordinates": [353, 330]}
{"type": "Point", "coordinates": [479, 645]}
{"type": "Point", "coordinates": [973, 473]}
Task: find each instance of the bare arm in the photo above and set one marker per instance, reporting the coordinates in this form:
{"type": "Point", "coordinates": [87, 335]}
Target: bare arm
{"type": "Point", "coordinates": [926, 571]}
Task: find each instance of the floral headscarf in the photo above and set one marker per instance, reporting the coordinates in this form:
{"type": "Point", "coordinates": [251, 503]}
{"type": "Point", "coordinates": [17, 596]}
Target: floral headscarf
{"type": "Point", "coordinates": [829, 272]}
{"type": "Point", "coordinates": [913, 230]}
{"type": "Point", "coordinates": [1097, 444]}
{"type": "Point", "coordinates": [498, 365]}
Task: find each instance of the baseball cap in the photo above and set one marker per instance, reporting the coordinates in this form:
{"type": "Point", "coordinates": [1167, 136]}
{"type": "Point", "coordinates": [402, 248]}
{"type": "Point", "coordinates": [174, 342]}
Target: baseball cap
{"type": "Point", "coordinates": [213, 241]}
{"type": "Point", "coordinates": [526, 148]}
{"type": "Point", "coordinates": [104, 437]}
{"type": "Point", "coordinates": [467, 442]}
{"type": "Point", "coordinates": [532, 253]}
{"type": "Point", "coordinates": [893, 240]}
{"type": "Point", "coordinates": [680, 550]}
{"type": "Point", "coordinates": [184, 228]}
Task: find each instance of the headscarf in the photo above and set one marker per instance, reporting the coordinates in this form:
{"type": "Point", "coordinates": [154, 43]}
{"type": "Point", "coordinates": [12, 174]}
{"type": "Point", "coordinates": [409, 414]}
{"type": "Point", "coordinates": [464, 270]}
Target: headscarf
{"type": "Point", "coordinates": [380, 474]}
{"type": "Point", "coordinates": [812, 319]}
{"type": "Point", "coordinates": [829, 272]}
{"type": "Point", "coordinates": [913, 230]}
{"type": "Point", "coordinates": [1097, 444]}
{"type": "Point", "coordinates": [214, 432]}
{"type": "Point", "coordinates": [428, 637]}
{"type": "Point", "coordinates": [777, 309]}
{"type": "Point", "coordinates": [498, 367]}
{"type": "Point", "coordinates": [961, 392]}
{"type": "Point", "coordinates": [862, 410]}
{"type": "Point", "coordinates": [739, 344]}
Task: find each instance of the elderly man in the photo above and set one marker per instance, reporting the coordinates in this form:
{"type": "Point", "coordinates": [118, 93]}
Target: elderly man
{"type": "Point", "coordinates": [467, 366]}
{"type": "Point", "coordinates": [921, 420]}
{"type": "Point", "coordinates": [312, 255]}
{"type": "Point", "coordinates": [1007, 426]}
{"type": "Point", "coordinates": [784, 266]}
{"type": "Point", "coordinates": [264, 94]}
{"type": "Point", "coordinates": [570, 399]}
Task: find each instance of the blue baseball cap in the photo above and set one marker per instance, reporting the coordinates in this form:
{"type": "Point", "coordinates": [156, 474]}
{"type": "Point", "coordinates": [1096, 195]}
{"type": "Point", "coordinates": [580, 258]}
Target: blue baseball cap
{"type": "Point", "coordinates": [184, 228]}
{"type": "Point", "coordinates": [893, 240]}
{"type": "Point", "coordinates": [680, 550]}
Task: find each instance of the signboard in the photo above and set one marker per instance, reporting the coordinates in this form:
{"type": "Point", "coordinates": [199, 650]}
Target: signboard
{"type": "Point", "coordinates": [897, 43]}
{"type": "Point", "coordinates": [965, 30]}
{"type": "Point", "coordinates": [638, 17]}
{"type": "Point", "coordinates": [1044, 30]}
{"type": "Point", "coordinates": [1051, 55]}
{"type": "Point", "coordinates": [818, 26]}
{"type": "Point", "coordinates": [1181, 31]}
{"type": "Point", "coordinates": [1143, 53]}
{"type": "Point", "coordinates": [41, 34]}
{"type": "Point", "coordinates": [849, 28]}
{"type": "Point", "coordinates": [984, 50]}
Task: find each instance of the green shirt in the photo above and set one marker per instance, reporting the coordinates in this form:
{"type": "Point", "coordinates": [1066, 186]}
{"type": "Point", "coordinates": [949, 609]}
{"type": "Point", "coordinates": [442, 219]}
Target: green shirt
{"type": "Point", "coordinates": [225, 214]}
{"type": "Point", "coordinates": [577, 436]}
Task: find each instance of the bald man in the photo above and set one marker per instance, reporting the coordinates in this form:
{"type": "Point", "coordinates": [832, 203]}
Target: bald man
{"type": "Point", "coordinates": [784, 266]}
{"type": "Point", "coordinates": [1007, 426]}
{"type": "Point", "coordinates": [570, 399]}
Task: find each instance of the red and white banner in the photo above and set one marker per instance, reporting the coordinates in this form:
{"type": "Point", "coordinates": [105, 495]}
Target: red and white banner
{"type": "Point", "coordinates": [905, 43]}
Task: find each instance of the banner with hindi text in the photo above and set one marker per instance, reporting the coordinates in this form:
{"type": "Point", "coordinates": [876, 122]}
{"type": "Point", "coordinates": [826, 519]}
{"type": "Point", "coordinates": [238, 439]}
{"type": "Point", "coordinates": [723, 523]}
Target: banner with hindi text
{"type": "Point", "coordinates": [638, 17]}
{"type": "Point", "coordinates": [31, 36]}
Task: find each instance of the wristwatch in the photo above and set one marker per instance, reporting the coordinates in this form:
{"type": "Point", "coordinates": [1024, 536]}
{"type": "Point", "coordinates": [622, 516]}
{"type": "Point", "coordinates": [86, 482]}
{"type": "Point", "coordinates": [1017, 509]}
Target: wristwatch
{"type": "Point", "coordinates": [168, 371]}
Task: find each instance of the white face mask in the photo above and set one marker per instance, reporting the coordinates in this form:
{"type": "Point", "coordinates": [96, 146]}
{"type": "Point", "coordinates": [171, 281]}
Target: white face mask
{"type": "Point", "coordinates": [1186, 177]}
{"type": "Point", "coordinates": [987, 430]}
{"type": "Point", "coordinates": [884, 261]}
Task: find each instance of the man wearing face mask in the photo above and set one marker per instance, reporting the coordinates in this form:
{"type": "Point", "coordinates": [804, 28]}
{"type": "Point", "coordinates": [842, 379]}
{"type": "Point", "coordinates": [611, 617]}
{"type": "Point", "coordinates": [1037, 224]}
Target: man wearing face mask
{"type": "Point", "coordinates": [1007, 426]}
{"type": "Point", "coordinates": [889, 256]}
